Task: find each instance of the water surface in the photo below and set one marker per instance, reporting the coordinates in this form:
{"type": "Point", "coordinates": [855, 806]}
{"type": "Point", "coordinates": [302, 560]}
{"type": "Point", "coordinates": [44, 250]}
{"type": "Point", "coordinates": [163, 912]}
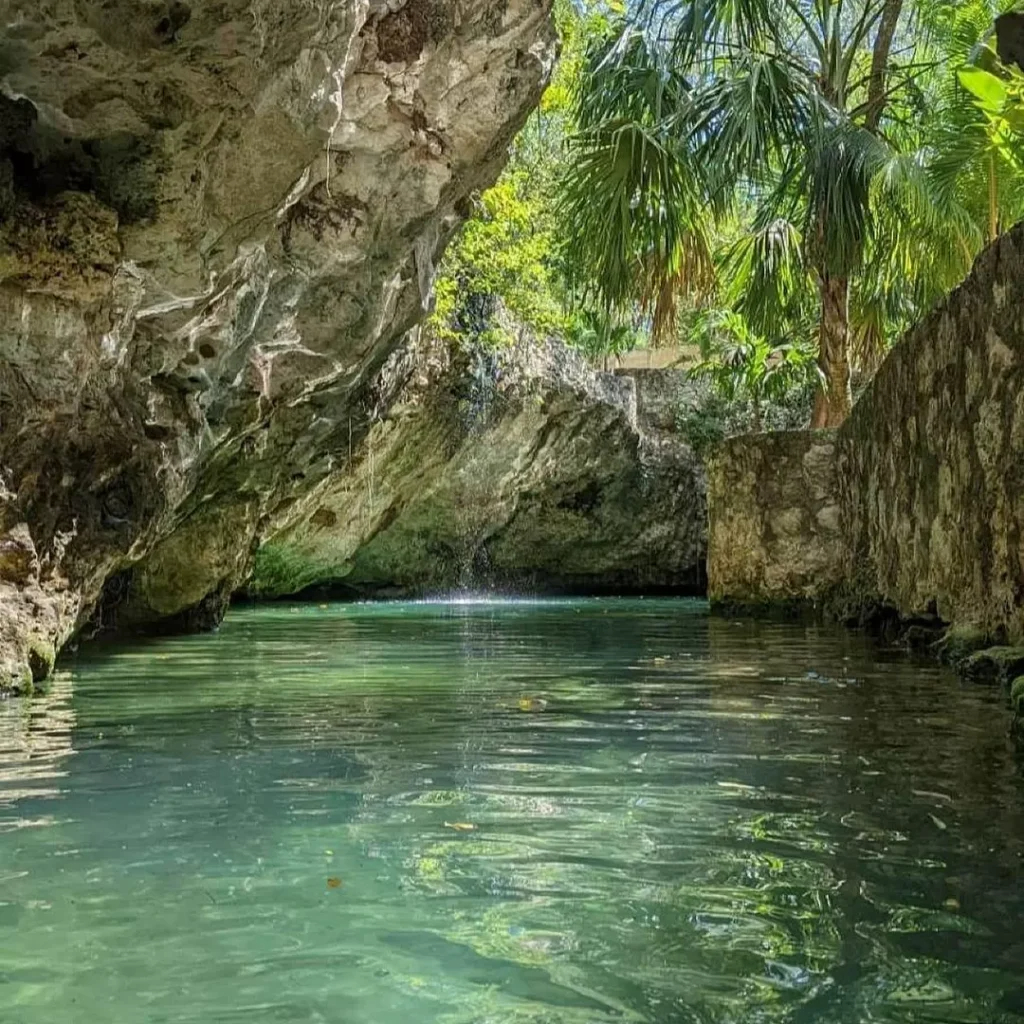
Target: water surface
{"type": "Point", "coordinates": [554, 813]}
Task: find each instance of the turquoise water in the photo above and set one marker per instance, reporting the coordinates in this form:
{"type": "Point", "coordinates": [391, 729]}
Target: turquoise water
{"type": "Point", "coordinates": [555, 813]}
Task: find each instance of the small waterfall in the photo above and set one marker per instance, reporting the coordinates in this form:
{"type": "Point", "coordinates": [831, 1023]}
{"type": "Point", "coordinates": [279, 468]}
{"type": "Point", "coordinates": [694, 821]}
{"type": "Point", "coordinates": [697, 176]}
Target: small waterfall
{"type": "Point", "coordinates": [473, 576]}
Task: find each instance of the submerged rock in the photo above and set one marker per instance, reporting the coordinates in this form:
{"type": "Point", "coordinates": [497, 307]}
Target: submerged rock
{"type": "Point", "coordinates": [995, 664]}
{"type": "Point", "coordinates": [960, 642]}
{"type": "Point", "coordinates": [216, 222]}
{"type": "Point", "coordinates": [520, 470]}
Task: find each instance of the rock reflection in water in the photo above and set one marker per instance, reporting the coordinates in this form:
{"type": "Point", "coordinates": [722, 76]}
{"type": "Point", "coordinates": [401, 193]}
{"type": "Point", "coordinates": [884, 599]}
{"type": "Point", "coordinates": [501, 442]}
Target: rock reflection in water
{"type": "Point", "coordinates": [35, 743]}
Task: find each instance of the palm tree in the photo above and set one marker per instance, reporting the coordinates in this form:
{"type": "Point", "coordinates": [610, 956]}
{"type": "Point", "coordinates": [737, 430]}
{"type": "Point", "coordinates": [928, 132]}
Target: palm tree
{"type": "Point", "coordinates": [976, 136]}
{"type": "Point", "coordinates": [805, 113]}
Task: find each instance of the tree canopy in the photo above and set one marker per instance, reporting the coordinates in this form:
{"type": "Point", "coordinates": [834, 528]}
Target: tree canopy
{"type": "Point", "coordinates": [811, 164]}
{"type": "Point", "coordinates": [808, 176]}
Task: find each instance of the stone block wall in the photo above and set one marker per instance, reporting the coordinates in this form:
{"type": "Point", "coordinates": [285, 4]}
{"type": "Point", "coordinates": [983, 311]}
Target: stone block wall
{"type": "Point", "coordinates": [661, 393]}
{"type": "Point", "coordinates": [931, 463]}
{"type": "Point", "coordinates": [926, 514]}
{"type": "Point", "coordinates": [774, 519]}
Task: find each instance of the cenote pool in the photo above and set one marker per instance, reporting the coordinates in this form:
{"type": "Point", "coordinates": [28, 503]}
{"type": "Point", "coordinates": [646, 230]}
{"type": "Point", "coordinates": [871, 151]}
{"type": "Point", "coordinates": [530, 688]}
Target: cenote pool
{"type": "Point", "coordinates": [556, 813]}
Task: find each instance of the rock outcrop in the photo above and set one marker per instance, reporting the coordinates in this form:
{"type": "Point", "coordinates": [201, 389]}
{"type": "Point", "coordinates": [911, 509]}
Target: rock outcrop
{"type": "Point", "coordinates": [927, 477]}
{"type": "Point", "coordinates": [520, 470]}
{"type": "Point", "coordinates": [216, 223]}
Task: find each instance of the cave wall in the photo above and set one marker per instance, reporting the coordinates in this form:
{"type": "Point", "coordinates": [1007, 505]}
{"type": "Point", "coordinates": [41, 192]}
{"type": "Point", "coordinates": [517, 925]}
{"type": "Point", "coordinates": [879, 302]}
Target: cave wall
{"type": "Point", "coordinates": [216, 223]}
{"type": "Point", "coordinates": [518, 469]}
{"type": "Point", "coordinates": [928, 474]}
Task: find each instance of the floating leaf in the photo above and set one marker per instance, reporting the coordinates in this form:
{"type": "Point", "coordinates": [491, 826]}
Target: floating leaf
{"type": "Point", "coordinates": [532, 704]}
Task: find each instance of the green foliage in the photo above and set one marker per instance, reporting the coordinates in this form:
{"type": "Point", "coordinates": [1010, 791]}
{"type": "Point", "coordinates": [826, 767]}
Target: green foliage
{"type": "Point", "coordinates": [740, 362]}
{"type": "Point", "coordinates": [506, 252]}
{"type": "Point", "coordinates": [511, 253]}
{"type": "Point", "coordinates": [747, 369]}
{"type": "Point", "coordinates": [632, 197]}
{"type": "Point", "coordinates": [709, 421]}
{"type": "Point", "coordinates": [709, 418]}
{"type": "Point", "coordinates": [703, 168]}
{"type": "Point", "coordinates": [834, 141]}
{"type": "Point", "coordinates": [597, 335]}
{"type": "Point", "coordinates": [1000, 100]}
{"type": "Point", "coordinates": [976, 190]}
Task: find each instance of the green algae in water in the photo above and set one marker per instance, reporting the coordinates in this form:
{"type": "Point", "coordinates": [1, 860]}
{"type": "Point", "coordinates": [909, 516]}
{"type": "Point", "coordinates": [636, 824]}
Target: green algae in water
{"type": "Point", "coordinates": [674, 818]}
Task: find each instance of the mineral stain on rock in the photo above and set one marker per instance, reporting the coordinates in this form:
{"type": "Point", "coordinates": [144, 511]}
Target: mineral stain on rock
{"type": "Point", "coordinates": [403, 34]}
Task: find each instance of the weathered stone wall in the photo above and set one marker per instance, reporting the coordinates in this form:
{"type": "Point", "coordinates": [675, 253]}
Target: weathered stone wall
{"type": "Point", "coordinates": [931, 463]}
{"type": "Point", "coordinates": [216, 222]}
{"type": "Point", "coordinates": [661, 394]}
{"type": "Point", "coordinates": [774, 535]}
{"type": "Point", "coordinates": [928, 476]}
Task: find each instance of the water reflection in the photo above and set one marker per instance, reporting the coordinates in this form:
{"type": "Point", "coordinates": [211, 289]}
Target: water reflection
{"type": "Point", "coordinates": [35, 741]}
{"type": "Point", "coordinates": [558, 813]}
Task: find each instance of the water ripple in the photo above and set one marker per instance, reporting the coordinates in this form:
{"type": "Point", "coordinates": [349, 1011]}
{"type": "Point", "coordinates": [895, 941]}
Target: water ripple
{"type": "Point", "coordinates": [480, 811]}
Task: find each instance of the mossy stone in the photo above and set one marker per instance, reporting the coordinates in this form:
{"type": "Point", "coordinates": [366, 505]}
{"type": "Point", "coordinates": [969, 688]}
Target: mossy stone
{"type": "Point", "coordinates": [998, 664]}
{"type": "Point", "coordinates": [960, 643]}
{"type": "Point", "coordinates": [41, 657]}
{"type": "Point", "coordinates": [17, 683]}
{"type": "Point", "coordinates": [1017, 696]}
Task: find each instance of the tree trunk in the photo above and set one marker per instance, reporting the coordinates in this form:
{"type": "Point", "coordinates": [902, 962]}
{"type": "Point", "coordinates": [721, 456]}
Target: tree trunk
{"type": "Point", "coordinates": [834, 399]}
{"type": "Point", "coordinates": [993, 199]}
{"type": "Point", "coordinates": [887, 25]}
